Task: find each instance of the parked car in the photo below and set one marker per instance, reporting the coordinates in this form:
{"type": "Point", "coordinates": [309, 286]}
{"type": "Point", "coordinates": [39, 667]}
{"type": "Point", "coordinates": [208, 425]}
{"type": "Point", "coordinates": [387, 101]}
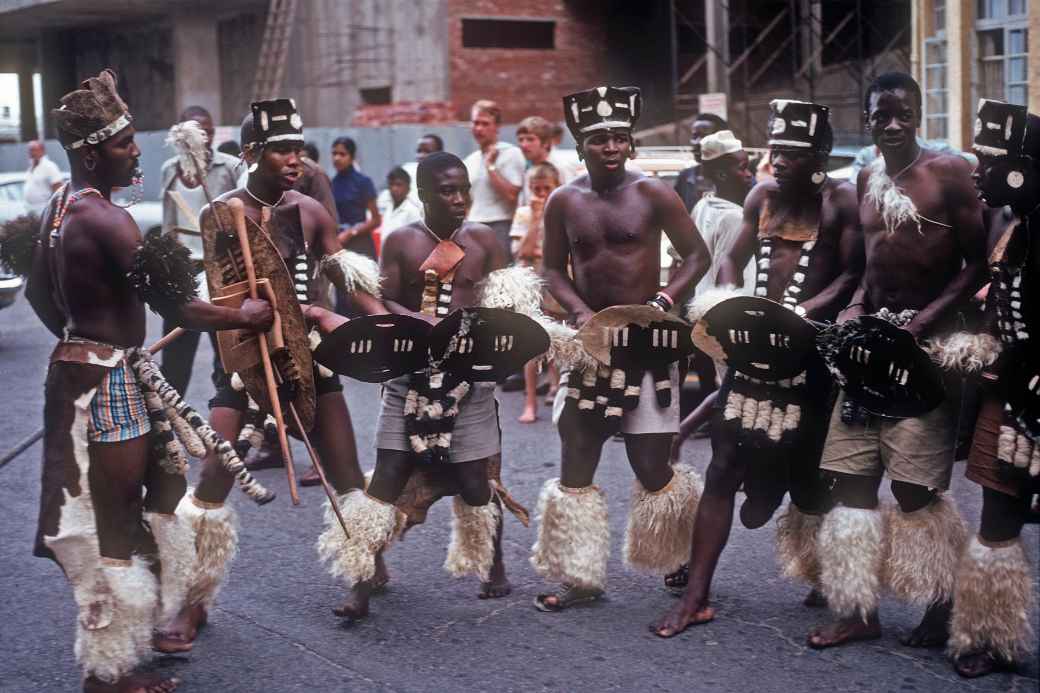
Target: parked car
{"type": "Point", "coordinates": [147, 215]}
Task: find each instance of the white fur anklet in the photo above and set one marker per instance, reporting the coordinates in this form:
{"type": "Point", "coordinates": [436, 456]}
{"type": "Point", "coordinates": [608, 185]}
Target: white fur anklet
{"type": "Point", "coordinates": [215, 527]}
{"type": "Point", "coordinates": [993, 602]}
{"type": "Point", "coordinates": [796, 545]}
{"type": "Point", "coordinates": [573, 536]}
{"type": "Point", "coordinates": [472, 547]}
{"type": "Point", "coordinates": [373, 526]}
{"type": "Point", "coordinates": [660, 523]}
{"type": "Point", "coordinates": [922, 550]}
{"type": "Point", "coordinates": [114, 629]}
{"type": "Point", "coordinates": [851, 549]}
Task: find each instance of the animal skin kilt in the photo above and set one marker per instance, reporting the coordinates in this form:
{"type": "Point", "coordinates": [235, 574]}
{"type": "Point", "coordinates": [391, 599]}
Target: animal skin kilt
{"type": "Point", "coordinates": [118, 596]}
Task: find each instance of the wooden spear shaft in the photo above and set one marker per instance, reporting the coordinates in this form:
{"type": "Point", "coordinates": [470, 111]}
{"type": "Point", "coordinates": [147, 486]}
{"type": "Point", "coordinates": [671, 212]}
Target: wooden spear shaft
{"type": "Point", "coordinates": [238, 214]}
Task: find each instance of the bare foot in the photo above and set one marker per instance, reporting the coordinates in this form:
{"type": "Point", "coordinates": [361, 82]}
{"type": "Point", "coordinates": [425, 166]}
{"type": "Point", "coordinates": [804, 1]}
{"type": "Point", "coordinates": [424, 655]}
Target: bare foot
{"type": "Point", "coordinates": [815, 599]}
{"type": "Point", "coordinates": [356, 605]}
{"type": "Point", "coordinates": [498, 584]}
{"type": "Point", "coordinates": [382, 576]}
{"type": "Point", "coordinates": [688, 612]}
{"type": "Point", "coordinates": [135, 683]}
{"type": "Point", "coordinates": [529, 415]}
{"type": "Point", "coordinates": [843, 631]}
{"type": "Point", "coordinates": [178, 634]}
{"type": "Point", "coordinates": [976, 664]}
{"type": "Point", "coordinates": [934, 629]}
{"type": "Point", "coordinates": [311, 478]}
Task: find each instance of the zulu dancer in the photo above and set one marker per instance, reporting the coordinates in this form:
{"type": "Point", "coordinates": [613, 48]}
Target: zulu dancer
{"type": "Point", "coordinates": [102, 476]}
{"type": "Point", "coordinates": [438, 434]}
{"type": "Point", "coordinates": [605, 227]}
{"type": "Point", "coordinates": [994, 597]}
{"type": "Point", "coordinates": [802, 231]}
{"type": "Point", "coordinates": [305, 236]}
{"type": "Point", "coordinates": [925, 257]}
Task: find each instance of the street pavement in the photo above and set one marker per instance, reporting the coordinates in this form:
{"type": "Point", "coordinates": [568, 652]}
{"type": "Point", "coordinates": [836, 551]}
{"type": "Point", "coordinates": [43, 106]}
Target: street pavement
{"type": "Point", "coordinates": [272, 629]}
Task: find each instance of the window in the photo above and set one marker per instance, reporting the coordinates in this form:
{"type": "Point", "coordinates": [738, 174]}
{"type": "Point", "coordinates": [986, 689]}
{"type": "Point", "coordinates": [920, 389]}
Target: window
{"type": "Point", "coordinates": [1000, 9]}
{"type": "Point", "coordinates": [938, 16]}
{"type": "Point", "coordinates": [375, 96]}
{"type": "Point", "coordinates": [1002, 72]}
{"type": "Point", "coordinates": [935, 92]}
{"type": "Point", "coordinates": [509, 33]}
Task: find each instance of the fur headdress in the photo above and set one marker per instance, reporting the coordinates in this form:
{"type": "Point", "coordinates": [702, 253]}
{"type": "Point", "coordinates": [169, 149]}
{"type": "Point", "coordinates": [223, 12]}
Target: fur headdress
{"type": "Point", "coordinates": [92, 113]}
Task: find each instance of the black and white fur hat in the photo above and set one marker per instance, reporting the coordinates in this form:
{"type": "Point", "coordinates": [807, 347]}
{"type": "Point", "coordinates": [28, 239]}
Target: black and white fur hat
{"type": "Point", "coordinates": [1000, 129]}
{"type": "Point", "coordinates": [276, 120]}
{"type": "Point", "coordinates": [602, 108]}
{"type": "Point", "coordinates": [799, 126]}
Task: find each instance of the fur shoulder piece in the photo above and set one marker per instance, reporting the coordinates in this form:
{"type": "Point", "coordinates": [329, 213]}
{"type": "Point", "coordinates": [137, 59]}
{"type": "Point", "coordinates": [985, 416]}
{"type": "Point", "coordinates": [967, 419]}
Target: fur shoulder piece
{"type": "Point", "coordinates": [706, 300]}
{"type": "Point", "coordinates": [352, 272]}
{"type": "Point", "coordinates": [17, 240]}
{"type": "Point", "coordinates": [964, 352]}
{"type": "Point", "coordinates": [513, 288]}
{"type": "Point", "coordinates": [163, 274]}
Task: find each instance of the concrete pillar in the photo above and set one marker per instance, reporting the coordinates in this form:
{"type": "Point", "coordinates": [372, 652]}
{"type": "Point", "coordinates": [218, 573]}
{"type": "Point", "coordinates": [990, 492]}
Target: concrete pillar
{"type": "Point", "coordinates": [1034, 57]}
{"type": "Point", "coordinates": [960, 24]}
{"type": "Point", "coordinates": [58, 73]}
{"type": "Point", "coordinates": [716, 20]}
{"type": "Point", "coordinates": [196, 68]}
{"type": "Point", "coordinates": [26, 97]}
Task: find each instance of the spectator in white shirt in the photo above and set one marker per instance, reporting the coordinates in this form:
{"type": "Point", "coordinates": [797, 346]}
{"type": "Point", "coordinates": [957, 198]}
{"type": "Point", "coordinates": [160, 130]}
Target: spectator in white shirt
{"type": "Point", "coordinates": [496, 172]}
{"type": "Point", "coordinates": [400, 210]}
{"type": "Point", "coordinates": [427, 144]}
{"type": "Point", "coordinates": [42, 178]}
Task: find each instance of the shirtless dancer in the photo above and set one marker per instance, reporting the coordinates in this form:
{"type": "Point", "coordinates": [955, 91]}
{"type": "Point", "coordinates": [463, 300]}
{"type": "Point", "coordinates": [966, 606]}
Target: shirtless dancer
{"type": "Point", "coordinates": [994, 600]}
{"type": "Point", "coordinates": [273, 155]}
{"type": "Point", "coordinates": [605, 227]}
{"type": "Point", "coordinates": [926, 253]}
{"type": "Point", "coordinates": [802, 229]}
{"type": "Point", "coordinates": [422, 264]}
{"type": "Point", "coordinates": [97, 445]}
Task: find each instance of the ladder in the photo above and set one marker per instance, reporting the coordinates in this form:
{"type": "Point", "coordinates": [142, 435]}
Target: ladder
{"type": "Point", "coordinates": [274, 49]}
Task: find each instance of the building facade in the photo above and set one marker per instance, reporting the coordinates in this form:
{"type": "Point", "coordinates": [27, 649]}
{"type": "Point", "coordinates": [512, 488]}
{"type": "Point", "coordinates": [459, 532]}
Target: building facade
{"type": "Point", "coordinates": [964, 50]}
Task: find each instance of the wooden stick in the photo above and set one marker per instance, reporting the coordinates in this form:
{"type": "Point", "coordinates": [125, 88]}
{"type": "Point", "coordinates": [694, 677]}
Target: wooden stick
{"type": "Point", "coordinates": [321, 470]}
{"type": "Point", "coordinates": [238, 213]}
{"type": "Point", "coordinates": [165, 340]}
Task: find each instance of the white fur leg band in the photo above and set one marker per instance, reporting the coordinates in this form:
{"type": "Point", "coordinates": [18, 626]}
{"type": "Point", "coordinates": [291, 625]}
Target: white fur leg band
{"type": "Point", "coordinates": [472, 547]}
{"type": "Point", "coordinates": [796, 545]}
{"type": "Point", "coordinates": [660, 523]}
{"type": "Point", "coordinates": [114, 629]}
{"type": "Point", "coordinates": [851, 549]}
{"type": "Point", "coordinates": [573, 536]}
{"type": "Point", "coordinates": [993, 603]}
{"type": "Point", "coordinates": [922, 550]}
{"type": "Point", "coordinates": [373, 527]}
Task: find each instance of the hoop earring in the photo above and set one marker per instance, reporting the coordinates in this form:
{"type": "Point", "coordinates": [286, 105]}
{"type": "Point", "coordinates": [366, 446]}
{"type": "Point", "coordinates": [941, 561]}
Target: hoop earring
{"type": "Point", "coordinates": [818, 177]}
{"type": "Point", "coordinates": [89, 164]}
{"type": "Point", "coordinates": [1015, 179]}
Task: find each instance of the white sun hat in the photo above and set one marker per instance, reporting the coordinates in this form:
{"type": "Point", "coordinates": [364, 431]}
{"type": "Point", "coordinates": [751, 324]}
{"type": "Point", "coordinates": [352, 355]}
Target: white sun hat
{"type": "Point", "coordinates": [719, 144]}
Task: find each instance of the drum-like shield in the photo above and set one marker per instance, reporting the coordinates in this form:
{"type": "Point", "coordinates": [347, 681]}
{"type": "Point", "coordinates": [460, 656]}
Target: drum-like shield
{"type": "Point", "coordinates": [640, 337]}
{"type": "Point", "coordinates": [757, 337]}
{"type": "Point", "coordinates": [376, 348]}
{"type": "Point", "coordinates": [486, 344]}
{"type": "Point", "coordinates": [239, 349]}
{"type": "Point", "coordinates": [881, 367]}
{"type": "Point", "coordinates": [1022, 388]}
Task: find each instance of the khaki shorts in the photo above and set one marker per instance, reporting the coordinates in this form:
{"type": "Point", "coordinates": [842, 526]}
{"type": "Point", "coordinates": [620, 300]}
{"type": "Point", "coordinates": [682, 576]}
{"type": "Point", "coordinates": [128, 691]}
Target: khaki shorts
{"type": "Point", "coordinates": [647, 417]}
{"type": "Point", "coordinates": [918, 451]}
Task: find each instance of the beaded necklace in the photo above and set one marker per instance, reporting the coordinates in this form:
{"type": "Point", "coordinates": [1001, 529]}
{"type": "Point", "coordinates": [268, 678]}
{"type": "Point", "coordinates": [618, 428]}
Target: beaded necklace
{"type": "Point", "coordinates": [65, 201]}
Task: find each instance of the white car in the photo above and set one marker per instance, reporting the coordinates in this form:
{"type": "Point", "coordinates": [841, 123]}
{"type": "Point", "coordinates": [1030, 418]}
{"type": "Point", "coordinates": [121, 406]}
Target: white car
{"type": "Point", "coordinates": [148, 216]}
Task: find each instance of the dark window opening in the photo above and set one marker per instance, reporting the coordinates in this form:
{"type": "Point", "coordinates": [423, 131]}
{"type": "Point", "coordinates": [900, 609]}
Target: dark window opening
{"type": "Point", "coordinates": [531, 34]}
{"type": "Point", "coordinates": [375, 96]}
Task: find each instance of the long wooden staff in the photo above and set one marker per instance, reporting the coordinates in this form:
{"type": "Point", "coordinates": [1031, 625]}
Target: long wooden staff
{"type": "Point", "coordinates": [238, 215]}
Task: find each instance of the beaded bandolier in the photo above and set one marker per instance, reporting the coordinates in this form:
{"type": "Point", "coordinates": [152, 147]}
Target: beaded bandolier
{"type": "Point", "coordinates": [769, 413]}
{"type": "Point", "coordinates": [1014, 446]}
{"type": "Point", "coordinates": [433, 398]}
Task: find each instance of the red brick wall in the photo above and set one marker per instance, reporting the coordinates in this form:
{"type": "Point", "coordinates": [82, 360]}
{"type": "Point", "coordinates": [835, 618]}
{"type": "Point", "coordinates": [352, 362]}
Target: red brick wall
{"type": "Point", "coordinates": [526, 82]}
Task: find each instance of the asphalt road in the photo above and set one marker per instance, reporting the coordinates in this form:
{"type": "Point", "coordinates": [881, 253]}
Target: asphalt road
{"type": "Point", "coordinates": [272, 629]}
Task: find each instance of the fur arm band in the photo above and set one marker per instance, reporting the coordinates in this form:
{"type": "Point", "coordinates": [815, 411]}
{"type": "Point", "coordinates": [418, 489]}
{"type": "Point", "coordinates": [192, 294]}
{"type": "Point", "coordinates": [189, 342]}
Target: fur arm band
{"type": "Point", "coordinates": [17, 240]}
{"type": "Point", "coordinates": [706, 300]}
{"type": "Point", "coordinates": [964, 352]}
{"type": "Point", "coordinates": [512, 288]}
{"type": "Point", "coordinates": [352, 272]}
{"type": "Point", "coordinates": [163, 274]}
